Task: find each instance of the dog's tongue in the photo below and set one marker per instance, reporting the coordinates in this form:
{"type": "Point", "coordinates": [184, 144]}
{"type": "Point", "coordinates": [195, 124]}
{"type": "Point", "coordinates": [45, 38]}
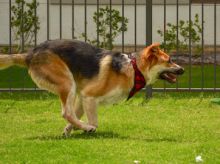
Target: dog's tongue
{"type": "Point", "coordinates": [170, 77]}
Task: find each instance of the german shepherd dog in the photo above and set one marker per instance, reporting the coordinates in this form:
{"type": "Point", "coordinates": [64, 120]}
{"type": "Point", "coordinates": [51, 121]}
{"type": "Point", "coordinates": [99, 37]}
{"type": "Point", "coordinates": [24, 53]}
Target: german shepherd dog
{"type": "Point", "coordinates": [83, 75]}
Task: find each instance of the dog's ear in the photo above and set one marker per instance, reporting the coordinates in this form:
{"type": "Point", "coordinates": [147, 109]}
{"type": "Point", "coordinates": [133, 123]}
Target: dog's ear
{"type": "Point", "coordinates": [153, 49]}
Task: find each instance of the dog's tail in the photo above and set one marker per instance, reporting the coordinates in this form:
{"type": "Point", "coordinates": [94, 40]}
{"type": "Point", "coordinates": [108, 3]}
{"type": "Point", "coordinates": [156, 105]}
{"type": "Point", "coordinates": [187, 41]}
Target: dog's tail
{"type": "Point", "coordinates": [13, 59]}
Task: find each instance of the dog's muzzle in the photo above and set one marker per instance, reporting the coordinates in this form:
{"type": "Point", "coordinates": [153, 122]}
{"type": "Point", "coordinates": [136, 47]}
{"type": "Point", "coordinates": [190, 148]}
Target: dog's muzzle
{"type": "Point", "coordinates": [171, 74]}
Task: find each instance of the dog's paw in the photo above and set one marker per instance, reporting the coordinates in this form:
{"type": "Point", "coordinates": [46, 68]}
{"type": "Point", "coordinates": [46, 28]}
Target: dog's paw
{"type": "Point", "coordinates": [67, 130]}
{"type": "Point", "coordinates": [90, 129]}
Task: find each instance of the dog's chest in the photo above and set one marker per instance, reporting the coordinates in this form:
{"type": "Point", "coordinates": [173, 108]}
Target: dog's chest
{"type": "Point", "coordinates": [112, 96]}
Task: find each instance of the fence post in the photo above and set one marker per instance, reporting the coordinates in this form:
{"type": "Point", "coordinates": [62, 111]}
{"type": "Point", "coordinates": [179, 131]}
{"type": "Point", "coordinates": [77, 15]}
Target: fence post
{"type": "Point", "coordinates": [148, 37]}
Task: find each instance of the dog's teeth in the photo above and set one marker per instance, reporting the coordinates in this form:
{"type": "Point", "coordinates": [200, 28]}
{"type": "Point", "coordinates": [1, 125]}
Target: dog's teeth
{"type": "Point", "coordinates": [166, 75]}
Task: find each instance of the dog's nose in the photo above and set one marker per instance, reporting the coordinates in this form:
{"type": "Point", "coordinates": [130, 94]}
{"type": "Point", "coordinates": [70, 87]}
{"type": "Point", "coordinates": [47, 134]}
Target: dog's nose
{"type": "Point", "coordinates": [180, 71]}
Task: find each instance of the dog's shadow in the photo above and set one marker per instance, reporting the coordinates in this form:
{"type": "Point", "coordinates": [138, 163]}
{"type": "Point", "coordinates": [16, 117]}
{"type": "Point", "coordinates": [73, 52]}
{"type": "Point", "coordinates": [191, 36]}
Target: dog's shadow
{"type": "Point", "coordinates": [97, 135]}
{"type": "Point", "coordinates": [101, 135]}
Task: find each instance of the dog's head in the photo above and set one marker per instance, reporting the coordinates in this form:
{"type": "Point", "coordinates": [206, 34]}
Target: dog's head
{"type": "Point", "coordinates": [156, 64]}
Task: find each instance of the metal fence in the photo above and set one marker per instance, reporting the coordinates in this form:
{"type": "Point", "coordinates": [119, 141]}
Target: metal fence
{"type": "Point", "coordinates": [201, 75]}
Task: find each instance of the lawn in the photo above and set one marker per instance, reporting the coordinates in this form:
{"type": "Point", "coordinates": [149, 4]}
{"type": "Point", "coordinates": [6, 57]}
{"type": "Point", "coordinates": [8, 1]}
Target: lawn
{"type": "Point", "coordinates": [169, 128]}
{"type": "Point", "coordinates": [15, 77]}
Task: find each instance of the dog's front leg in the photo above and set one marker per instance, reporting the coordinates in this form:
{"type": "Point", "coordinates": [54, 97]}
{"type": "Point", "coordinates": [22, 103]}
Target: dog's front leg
{"type": "Point", "coordinates": [89, 107]}
{"type": "Point", "coordinates": [68, 96]}
{"type": "Point", "coordinates": [78, 110]}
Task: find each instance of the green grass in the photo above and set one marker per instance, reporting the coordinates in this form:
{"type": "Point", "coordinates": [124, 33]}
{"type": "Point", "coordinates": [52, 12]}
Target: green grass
{"type": "Point", "coordinates": [15, 77]}
{"type": "Point", "coordinates": [170, 128]}
{"type": "Point", "coordinates": [18, 78]}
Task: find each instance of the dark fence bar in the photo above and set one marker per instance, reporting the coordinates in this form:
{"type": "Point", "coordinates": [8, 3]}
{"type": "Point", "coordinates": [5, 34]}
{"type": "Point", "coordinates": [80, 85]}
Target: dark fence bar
{"type": "Point", "coordinates": [135, 25]}
{"type": "Point", "coordinates": [10, 43]}
{"type": "Point", "coordinates": [22, 39]}
{"type": "Point", "coordinates": [215, 53]}
{"type": "Point", "coordinates": [10, 36]}
{"type": "Point", "coordinates": [149, 14]}
{"type": "Point", "coordinates": [35, 26]}
{"type": "Point", "coordinates": [202, 64]}
{"type": "Point", "coordinates": [85, 21]}
{"type": "Point", "coordinates": [20, 89]}
{"type": "Point", "coordinates": [186, 90]}
{"type": "Point", "coordinates": [110, 23]}
{"type": "Point", "coordinates": [97, 23]}
{"type": "Point", "coordinates": [60, 19]}
{"type": "Point", "coordinates": [149, 37]}
{"type": "Point", "coordinates": [73, 17]}
{"type": "Point", "coordinates": [123, 34]}
{"type": "Point", "coordinates": [164, 20]}
{"type": "Point", "coordinates": [164, 29]}
{"type": "Point", "coordinates": [177, 33]}
{"type": "Point", "coordinates": [22, 33]}
{"type": "Point", "coordinates": [190, 45]}
{"type": "Point", "coordinates": [35, 34]}
{"type": "Point", "coordinates": [48, 20]}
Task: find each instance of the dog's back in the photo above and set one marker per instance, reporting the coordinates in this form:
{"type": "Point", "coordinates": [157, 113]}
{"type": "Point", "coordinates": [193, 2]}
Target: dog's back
{"type": "Point", "coordinates": [80, 57]}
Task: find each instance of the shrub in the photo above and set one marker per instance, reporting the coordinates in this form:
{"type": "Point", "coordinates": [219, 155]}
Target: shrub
{"type": "Point", "coordinates": [105, 18]}
{"type": "Point", "coordinates": [24, 22]}
{"type": "Point", "coordinates": [184, 28]}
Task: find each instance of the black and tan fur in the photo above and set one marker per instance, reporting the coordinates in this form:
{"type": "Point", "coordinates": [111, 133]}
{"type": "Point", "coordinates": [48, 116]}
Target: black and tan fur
{"type": "Point", "coordinates": [83, 75]}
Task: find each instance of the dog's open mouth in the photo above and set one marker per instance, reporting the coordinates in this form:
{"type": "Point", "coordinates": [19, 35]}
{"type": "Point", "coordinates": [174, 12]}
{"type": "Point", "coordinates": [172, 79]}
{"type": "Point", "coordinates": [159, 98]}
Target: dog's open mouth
{"type": "Point", "coordinates": [168, 76]}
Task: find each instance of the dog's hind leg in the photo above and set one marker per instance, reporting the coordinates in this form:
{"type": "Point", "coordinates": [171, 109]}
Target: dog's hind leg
{"type": "Point", "coordinates": [56, 77]}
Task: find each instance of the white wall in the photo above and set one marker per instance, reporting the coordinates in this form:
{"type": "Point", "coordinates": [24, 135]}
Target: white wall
{"type": "Point", "coordinates": [158, 21]}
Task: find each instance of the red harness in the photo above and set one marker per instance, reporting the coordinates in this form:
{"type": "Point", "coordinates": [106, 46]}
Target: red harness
{"type": "Point", "coordinates": [139, 81]}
